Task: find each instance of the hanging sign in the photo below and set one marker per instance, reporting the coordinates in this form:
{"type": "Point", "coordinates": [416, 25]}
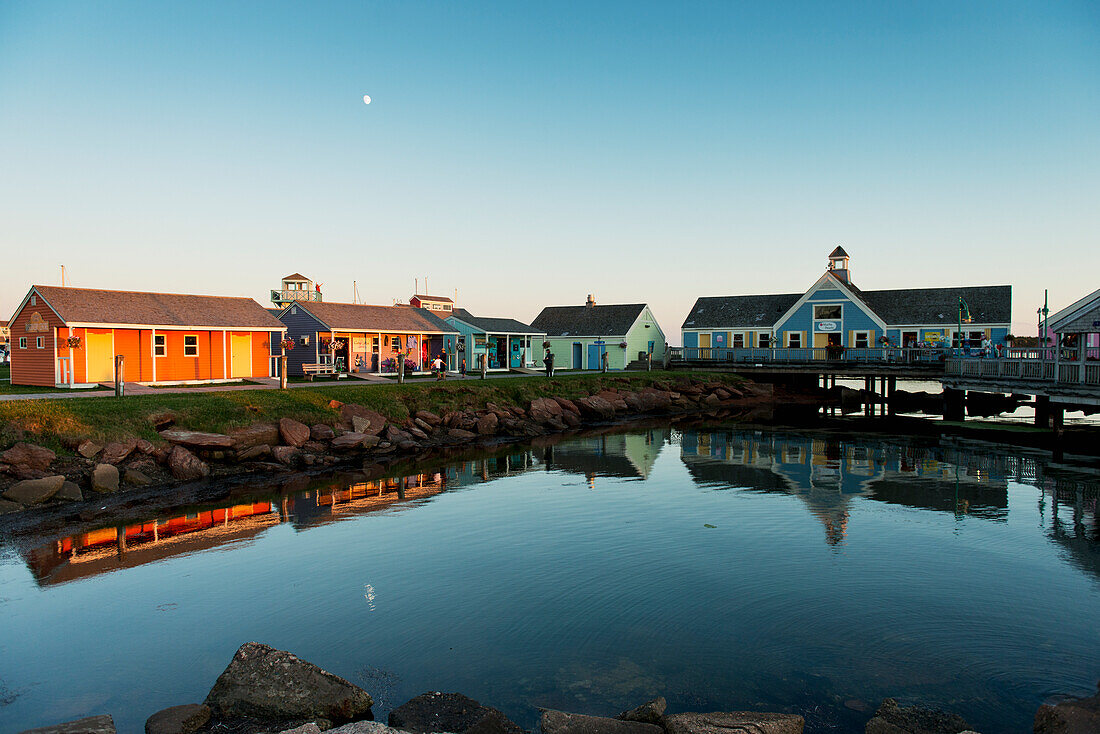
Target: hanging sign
{"type": "Point", "coordinates": [359, 344]}
{"type": "Point", "coordinates": [826, 326]}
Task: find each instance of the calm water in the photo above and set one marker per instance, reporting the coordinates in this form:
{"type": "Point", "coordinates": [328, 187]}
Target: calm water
{"type": "Point", "coordinates": [722, 568]}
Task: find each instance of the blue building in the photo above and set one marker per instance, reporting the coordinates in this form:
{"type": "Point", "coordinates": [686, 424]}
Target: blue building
{"type": "Point", "coordinates": [835, 313]}
{"type": "Point", "coordinates": [507, 343]}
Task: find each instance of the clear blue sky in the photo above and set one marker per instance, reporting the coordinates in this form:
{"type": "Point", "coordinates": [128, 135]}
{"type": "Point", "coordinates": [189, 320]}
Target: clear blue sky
{"type": "Point", "coordinates": [530, 153]}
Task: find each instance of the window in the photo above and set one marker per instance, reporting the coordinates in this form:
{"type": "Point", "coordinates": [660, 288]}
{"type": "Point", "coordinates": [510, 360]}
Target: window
{"type": "Point", "coordinates": [160, 347]}
{"type": "Point", "coordinates": [374, 344]}
{"type": "Point", "coordinates": [794, 339]}
{"type": "Point", "coordinates": [38, 342]}
{"type": "Point", "coordinates": [976, 337]}
{"type": "Point", "coordinates": [862, 340]}
{"type": "Point", "coordinates": [395, 342]}
{"type": "Point", "coordinates": [293, 310]}
{"type": "Point", "coordinates": [446, 307]}
{"type": "Point", "coordinates": [22, 342]}
{"type": "Point", "coordinates": [738, 341]}
{"type": "Point", "coordinates": [34, 300]}
{"type": "Point", "coordinates": [191, 345]}
{"type": "Point", "coordinates": [764, 340]}
{"type": "Point", "coordinates": [828, 313]}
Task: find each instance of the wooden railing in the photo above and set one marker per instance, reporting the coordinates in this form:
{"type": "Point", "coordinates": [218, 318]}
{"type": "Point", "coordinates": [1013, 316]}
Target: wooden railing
{"type": "Point", "coordinates": [295, 295]}
{"type": "Point", "coordinates": [1032, 370]}
{"type": "Point", "coordinates": [809, 355]}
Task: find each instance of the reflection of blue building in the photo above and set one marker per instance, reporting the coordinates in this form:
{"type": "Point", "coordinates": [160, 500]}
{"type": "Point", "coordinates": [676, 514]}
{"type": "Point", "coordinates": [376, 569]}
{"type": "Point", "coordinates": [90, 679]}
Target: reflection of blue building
{"type": "Point", "coordinates": [828, 472]}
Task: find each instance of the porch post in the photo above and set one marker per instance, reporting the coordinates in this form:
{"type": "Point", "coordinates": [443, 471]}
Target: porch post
{"type": "Point", "coordinates": [225, 364]}
{"type": "Point", "coordinates": [153, 352]}
{"type": "Point", "coordinates": [72, 367]}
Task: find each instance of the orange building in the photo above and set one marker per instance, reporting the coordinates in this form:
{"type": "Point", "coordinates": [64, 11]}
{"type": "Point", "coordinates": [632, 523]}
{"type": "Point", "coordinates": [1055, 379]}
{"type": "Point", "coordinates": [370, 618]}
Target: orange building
{"type": "Point", "coordinates": [69, 336]}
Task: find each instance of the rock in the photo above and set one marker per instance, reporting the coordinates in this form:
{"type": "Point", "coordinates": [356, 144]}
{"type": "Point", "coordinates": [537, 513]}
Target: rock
{"type": "Point", "coordinates": [614, 399]}
{"type": "Point", "coordinates": [349, 441]}
{"type": "Point", "coordinates": [186, 466]}
{"type": "Point", "coordinates": [567, 405]}
{"type": "Point", "coordinates": [893, 719]}
{"type": "Point", "coordinates": [418, 433]}
{"type": "Point", "coordinates": [286, 455]}
{"type": "Point", "coordinates": [321, 432]}
{"type": "Point", "coordinates": [650, 712]}
{"type": "Point", "coordinates": [258, 434]}
{"type": "Point", "coordinates": [197, 439]}
{"type": "Point", "coordinates": [559, 722]}
{"type": "Point", "coordinates": [595, 407]}
{"type": "Point", "coordinates": [105, 478]}
{"type": "Point", "coordinates": [371, 421]}
{"type": "Point", "coordinates": [310, 728]}
{"type": "Point", "coordinates": [254, 453]}
{"type": "Point", "coordinates": [1075, 716]}
{"type": "Point", "coordinates": [450, 712]}
{"type": "Point", "coordinates": [27, 461]}
{"type": "Point", "coordinates": [91, 725]}
{"type": "Point", "coordinates": [711, 400]}
{"type": "Point", "coordinates": [335, 404]}
{"type": "Point", "coordinates": [162, 420]}
{"type": "Point", "coordinates": [364, 727]}
{"type": "Point", "coordinates": [634, 402]}
{"type": "Point", "coordinates": [266, 684]}
{"type": "Point", "coordinates": [6, 507]}
{"type": "Point", "coordinates": [656, 400]}
{"type": "Point", "coordinates": [487, 424]}
{"type": "Point", "coordinates": [292, 432]}
{"type": "Point", "coordinates": [145, 447]}
{"type": "Point", "coordinates": [543, 410]}
{"type": "Point", "coordinates": [571, 419]}
{"type": "Point", "coordinates": [734, 722]}
{"type": "Point", "coordinates": [33, 491]}
{"type": "Point", "coordinates": [69, 492]}
{"type": "Point", "coordinates": [428, 417]}
{"type": "Point", "coordinates": [89, 448]}
{"type": "Point", "coordinates": [460, 435]}
{"type": "Point", "coordinates": [116, 452]}
{"type": "Point", "coordinates": [423, 425]}
{"type": "Point", "coordinates": [136, 477]}
{"type": "Point", "coordinates": [189, 717]}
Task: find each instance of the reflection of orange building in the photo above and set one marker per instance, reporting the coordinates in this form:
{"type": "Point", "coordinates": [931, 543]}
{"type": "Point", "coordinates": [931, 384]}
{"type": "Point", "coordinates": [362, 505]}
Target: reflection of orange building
{"type": "Point", "coordinates": [107, 549]}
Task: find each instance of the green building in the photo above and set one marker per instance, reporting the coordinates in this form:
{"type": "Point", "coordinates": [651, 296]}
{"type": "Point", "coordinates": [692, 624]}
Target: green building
{"type": "Point", "coordinates": [579, 336]}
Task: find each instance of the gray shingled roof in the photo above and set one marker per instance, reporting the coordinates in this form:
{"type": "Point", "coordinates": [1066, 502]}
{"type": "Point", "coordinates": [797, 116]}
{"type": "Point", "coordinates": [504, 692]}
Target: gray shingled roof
{"type": "Point", "coordinates": [361, 317]}
{"type": "Point", "coordinates": [609, 320]}
{"type": "Point", "coordinates": [988, 304]}
{"type": "Point", "coordinates": [494, 325]}
{"type": "Point", "coordinates": [838, 252]}
{"type": "Point", "coordinates": [756, 312]}
{"type": "Point", "coordinates": [94, 306]}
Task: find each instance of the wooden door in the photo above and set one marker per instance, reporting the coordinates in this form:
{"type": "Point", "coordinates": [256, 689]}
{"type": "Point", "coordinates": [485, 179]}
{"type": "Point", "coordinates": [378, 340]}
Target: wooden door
{"type": "Point", "coordinates": [240, 349]}
{"type": "Point", "coordinates": [99, 346]}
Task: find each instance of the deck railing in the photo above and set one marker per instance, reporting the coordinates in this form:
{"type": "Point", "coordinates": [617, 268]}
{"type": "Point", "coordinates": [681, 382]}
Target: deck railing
{"type": "Point", "coordinates": [807, 355]}
{"type": "Point", "coordinates": [294, 295]}
{"type": "Point", "coordinates": [1031, 370]}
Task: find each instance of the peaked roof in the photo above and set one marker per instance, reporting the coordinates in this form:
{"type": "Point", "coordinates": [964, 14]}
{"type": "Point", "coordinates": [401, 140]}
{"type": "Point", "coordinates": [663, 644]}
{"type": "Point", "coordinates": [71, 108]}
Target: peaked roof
{"type": "Point", "coordinates": [420, 297]}
{"type": "Point", "coordinates": [609, 320]}
{"type": "Point", "coordinates": [494, 325]}
{"type": "Point", "coordinates": [361, 317]}
{"type": "Point", "coordinates": [93, 306]}
{"type": "Point", "coordinates": [839, 252]}
{"type": "Point", "coordinates": [988, 304]}
{"type": "Point", "coordinates": [740, 311]}
{"type": "Point", "coordinates": [1070, 312]}
{"type": "Point", "coordinates": [295, 276]}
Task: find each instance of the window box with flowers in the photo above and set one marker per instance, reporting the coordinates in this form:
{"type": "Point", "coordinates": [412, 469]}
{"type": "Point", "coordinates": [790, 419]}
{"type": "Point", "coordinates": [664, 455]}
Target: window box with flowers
{"type": "Point", "coordinates": [288, 344]}
{"type": "Point", "coordinates": [73, 342]}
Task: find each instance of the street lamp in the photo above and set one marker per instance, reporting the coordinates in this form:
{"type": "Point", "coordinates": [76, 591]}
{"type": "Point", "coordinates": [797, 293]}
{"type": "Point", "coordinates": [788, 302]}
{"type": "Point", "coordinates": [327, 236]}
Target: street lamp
{"type": "Point", "coordinates": [962, 305]}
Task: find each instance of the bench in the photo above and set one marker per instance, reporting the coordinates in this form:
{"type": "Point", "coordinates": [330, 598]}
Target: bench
{"type": "Point", "coordinates": [324, 368]}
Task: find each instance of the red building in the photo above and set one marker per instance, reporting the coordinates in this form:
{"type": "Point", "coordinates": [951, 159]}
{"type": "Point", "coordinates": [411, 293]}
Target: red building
{"type": "Point", "coordinates": [70, 336]}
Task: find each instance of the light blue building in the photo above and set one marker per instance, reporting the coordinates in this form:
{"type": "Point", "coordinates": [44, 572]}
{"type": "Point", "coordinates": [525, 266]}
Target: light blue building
{"type": "Point", "coordinates": [835, 313]}
{"type": "Point", "coordinates": [507, 343]}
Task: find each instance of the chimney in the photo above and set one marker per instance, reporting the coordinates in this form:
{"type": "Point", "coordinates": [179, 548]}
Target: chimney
{"type": "Point", "coordinates": [590, 302]}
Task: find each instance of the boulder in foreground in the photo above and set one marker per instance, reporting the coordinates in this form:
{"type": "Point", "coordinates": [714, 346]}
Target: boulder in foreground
{"type": "Point", "coordinates": [269, 685]}
{"type": "Point", "coordinates": [734, 722]}
{"type": "Point", "coordinates": [890, 718]}
{"type": "Point", "coordinates": [450, 712]}
{"type": "Point", "coordinates": [560, 722]}
{"type": "Point", "coordinates": [1076, 716]}
{"type": "Point", "coordinates": [185, 719]}
{"type": "Point", "coordinates": [90, 725]}
{"type": "Point", "coordinates": [650, 712]}
{"type": "Point", "coordinates": [33, 491]}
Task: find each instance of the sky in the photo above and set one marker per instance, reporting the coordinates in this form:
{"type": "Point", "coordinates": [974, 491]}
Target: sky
{"type": "Point", "coordinates": [528, 154]}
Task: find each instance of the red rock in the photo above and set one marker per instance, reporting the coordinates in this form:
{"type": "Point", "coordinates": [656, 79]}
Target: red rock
{"type": "Point", "coordinates": [33, 491]}
{"type": "Point", "coordinates": [287, 455]}
{"type": "Point", "coordinates": [596, 407]}
{"type": "Point", "coordinates": [567, 405]}
{"type": "Point", "coordinates": [27, 461]}
{"type": "Point", "coordinates": [349, 441]}
{"type": "Point", "coordinates": [116, 452]}
{"type": "Point", "coordinates": [292, 432]}
{"type": "Point", "coordinates": [460, 435]}
{"type": "Point", "coordinates": [487, 424]}
{"type": "Point", "coordinates": [186, 466]}
{"type": "Point", "coordinates": [321, 432]}
{"type": "Point", "coordinates": [428, 417]}
{"type": "Point", "coordinates": [89, 448]}
{"type": "Point", "coordinates": [371, 421]}
{"type": "Point", "coordinates": [543, 410]}
{"type": "Point", "coordinates": [145, 447]}
{"type": "Point", "coordinates": [258, 434]}
{"type": "Point", "coordinates": [197, 439]}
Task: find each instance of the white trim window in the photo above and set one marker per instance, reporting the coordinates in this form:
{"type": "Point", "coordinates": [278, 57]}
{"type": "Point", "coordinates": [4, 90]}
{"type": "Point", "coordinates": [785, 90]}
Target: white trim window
{"type": "Point", "coordinates": [737, 340]}
{"type": "Point", "coordinates": [191, 345]}
{"type": "Point", "coordinates": [160, 345]}
{"type": "Point", "coordinates": [39, 342]}
{"type": "Point", "coordinates": [828, 312]}
{"type": "Point", "coordinates": [794, 339]}
{"type": "Point", "coordinates": [861, 339]}
{"type": "Point", "coordinates": [763, 340]}
{"type": "Point", "coordinates": [22, 342]}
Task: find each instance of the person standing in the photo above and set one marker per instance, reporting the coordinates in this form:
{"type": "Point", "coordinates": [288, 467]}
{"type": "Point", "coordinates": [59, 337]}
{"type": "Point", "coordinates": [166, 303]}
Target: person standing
{"type": "Point", "coordinates": [462, 367]}
{"type": "Point", "coordinates": [548, 361]}
{"type": "Point", "coordinates": [437, 368]}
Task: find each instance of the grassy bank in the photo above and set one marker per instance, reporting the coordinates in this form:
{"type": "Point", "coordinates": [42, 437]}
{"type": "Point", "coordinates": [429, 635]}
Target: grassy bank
{"type": "Point", "coordinates": [54, 423]}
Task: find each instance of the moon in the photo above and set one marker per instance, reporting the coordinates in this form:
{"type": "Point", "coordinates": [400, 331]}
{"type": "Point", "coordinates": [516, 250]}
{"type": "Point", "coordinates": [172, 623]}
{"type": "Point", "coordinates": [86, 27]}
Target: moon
{"type": "Point", "coordinates": [366, 99]}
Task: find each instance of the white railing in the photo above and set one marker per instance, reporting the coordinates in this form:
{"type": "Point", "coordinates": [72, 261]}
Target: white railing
{"type": "Point", "coordinates": [1033, 370]}
{"type": "Point", "coordinates": [295, 295]}
{"type": "Point", "coordinates": [805, 355]}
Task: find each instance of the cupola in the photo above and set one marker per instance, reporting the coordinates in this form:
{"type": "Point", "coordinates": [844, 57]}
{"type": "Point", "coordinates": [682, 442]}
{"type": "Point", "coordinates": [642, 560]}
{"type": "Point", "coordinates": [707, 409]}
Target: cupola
{"type": "Point", "coordinates": [838, 264]}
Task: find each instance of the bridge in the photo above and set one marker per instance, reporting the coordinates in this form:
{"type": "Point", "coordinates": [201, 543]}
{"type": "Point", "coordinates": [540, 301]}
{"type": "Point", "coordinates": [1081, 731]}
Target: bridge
{"type": "Point", "coordinates": [1059, 378]}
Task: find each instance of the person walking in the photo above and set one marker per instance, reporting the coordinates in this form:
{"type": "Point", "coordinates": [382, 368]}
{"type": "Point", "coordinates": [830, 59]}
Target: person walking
{"type": "Point", "coordinates": [462, 367]}
{"type": "Point", "coordinates": [548, 361]}
{"type": "Point", "coordinates": [437, 368]}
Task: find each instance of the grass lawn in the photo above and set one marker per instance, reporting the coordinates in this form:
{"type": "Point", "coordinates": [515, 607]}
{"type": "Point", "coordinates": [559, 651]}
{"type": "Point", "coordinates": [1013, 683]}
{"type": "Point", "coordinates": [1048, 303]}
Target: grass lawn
{"type": "Point", "coordinates": [51, 422]}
